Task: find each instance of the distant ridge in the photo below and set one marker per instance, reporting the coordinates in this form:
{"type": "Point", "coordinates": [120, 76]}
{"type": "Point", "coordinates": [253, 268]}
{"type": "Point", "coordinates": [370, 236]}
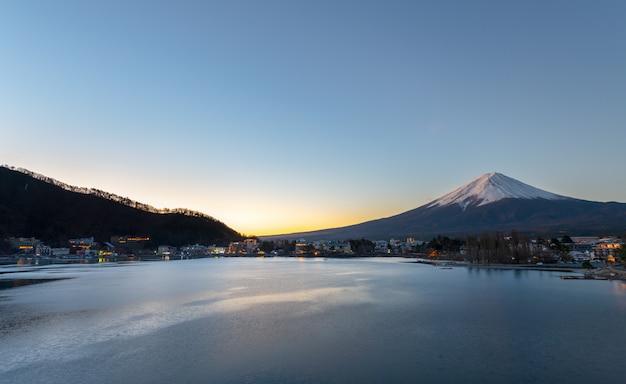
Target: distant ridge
{"type": "Point", "coordinates": [490, 202]}
{"type": "Point", "coordinates": [32, 205]}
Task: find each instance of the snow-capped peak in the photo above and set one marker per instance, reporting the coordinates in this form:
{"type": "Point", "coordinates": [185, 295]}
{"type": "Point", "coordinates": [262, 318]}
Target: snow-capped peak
{"type": "Point", "coordinates": [489, 188]}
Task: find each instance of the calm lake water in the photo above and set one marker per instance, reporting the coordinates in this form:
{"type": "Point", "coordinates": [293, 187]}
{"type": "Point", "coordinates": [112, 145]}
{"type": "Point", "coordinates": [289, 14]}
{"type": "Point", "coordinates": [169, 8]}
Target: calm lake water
{"type": "Point", "coordinates": [285, 320]}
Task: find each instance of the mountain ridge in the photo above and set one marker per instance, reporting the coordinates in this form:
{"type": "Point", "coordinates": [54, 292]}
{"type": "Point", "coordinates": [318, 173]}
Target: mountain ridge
{"type": "Point", "coordinates": [106, 195]}
{"type": "Point", "coordinates": [490, 202]}
{"type": "Point", "coordinates": [34, 207]}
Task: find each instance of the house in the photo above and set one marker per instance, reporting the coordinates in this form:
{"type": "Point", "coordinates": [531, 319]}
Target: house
{"type": "Point", "coordinates": [24, 244]}
{"type": "Point", "coordinates": [246, 247]}
{"type": "Point", "coordinates": [83, 243]}
{"type": "Point", "coordinates": [607, 248]}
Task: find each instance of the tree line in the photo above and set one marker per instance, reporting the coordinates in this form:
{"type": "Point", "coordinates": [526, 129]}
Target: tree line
{"type": "Point", "coordinates": [513, 248]}
{"type": "Point", "coordinates": [484, 248]}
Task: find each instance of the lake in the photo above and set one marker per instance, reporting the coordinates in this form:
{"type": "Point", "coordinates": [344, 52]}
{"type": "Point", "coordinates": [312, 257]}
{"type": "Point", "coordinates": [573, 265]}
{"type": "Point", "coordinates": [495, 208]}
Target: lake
{"type": "Point", "coordinates": [290, 320]}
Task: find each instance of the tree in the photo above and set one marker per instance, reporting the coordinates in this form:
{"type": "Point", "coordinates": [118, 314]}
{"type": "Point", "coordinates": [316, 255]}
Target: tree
{"type": "Point", "coordinates": [621, 253]}
{"type": "Point", "coordinates": [525, 249]}
{"type": "Point", "coordinates": [436, 243]}
{"type": "Point", "coordinates": [361, 246]}
{"type": "Point", "coordinates": [289, 247]}
{"type": "Point", "coordinates": [558, 247]}
{"type": "Point", "coordinates": [267, 246]}
{"type": "Point", "coordinates": [488, 247]}
{"type": "Point", "coordinates": [515, 246]}
{"type": "Point", "coordinates": [473, 249]}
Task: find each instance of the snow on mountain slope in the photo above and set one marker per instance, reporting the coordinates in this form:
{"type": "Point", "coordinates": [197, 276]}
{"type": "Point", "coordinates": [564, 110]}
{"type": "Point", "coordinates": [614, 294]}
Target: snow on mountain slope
{"type": "Point", "coordinates": [489, 188]}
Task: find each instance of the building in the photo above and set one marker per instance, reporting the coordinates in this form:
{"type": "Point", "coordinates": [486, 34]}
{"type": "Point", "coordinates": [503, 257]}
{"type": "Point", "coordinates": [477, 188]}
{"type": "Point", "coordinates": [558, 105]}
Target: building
{"type": "Point", "coordinates": [166, 250]}
{"type": "Point", "coordinates": [130, 243]}
{"type": "Point", "coordinates": [43, 250]}
{"type": "Point", "coordinates": [213, 250]}
{"type": "Point", "coordinates": [83, 243]}
{"type": "Point", "coordinates": [24, 244]}
{"type": "Point", "coordinates": [333, 247]}
{"type": "Point", "coordinates": [59, 252]}
{"type": "Point", "coordinates": [607, 248]}
{"type": "Point", "coordinates": [246, 247]}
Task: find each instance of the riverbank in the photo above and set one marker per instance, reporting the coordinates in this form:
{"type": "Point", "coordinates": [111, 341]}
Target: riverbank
{"type": "Point", "coordinates": [598, 273]}
{"type": "Point", "coordinates": [535, 267]}
{"type": "Point", "coordinates": [532, 267]}
{"type": "Point", "coordinates": [605, 273]}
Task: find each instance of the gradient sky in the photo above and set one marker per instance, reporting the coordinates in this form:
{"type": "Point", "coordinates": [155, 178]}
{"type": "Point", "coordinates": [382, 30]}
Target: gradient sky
{"type": "Point", "coordinates": [285, 116]}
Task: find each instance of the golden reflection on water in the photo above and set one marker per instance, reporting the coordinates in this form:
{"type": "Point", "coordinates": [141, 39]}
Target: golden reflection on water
{"type": "Point", "coordinates": [152, 316]}
{"type": "Point", "coordinates": [326, 295]}
{"type": "Point", "coordinates": [238, 289]}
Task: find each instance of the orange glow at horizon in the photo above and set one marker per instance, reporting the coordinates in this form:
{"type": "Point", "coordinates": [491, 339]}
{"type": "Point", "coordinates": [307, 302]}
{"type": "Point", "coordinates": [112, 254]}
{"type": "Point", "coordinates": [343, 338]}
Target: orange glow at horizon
{"type": "Point", "coordinates": [280, 228]}
{"type": "Point", "coordinates": [278, 225]}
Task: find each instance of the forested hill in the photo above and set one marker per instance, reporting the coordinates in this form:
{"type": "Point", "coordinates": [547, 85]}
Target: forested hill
{"type": "Point", "coordinates": [32, 205]}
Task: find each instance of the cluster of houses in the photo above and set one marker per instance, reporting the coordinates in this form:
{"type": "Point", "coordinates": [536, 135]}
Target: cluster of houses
{"type": "Point", "coordinates": [594, 248]}
{"type": "Point", "coordinates": [580, 249]}
{"type": "Point", "coordinates": [29, 250]}
{"type": "Point", "coordinates": [119, 248]}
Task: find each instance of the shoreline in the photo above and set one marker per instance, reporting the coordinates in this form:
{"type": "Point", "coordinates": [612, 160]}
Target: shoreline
{"type": "Point", "coordinates": [605, 273]}
{"type": "Point", "coordinates": [598, 273]}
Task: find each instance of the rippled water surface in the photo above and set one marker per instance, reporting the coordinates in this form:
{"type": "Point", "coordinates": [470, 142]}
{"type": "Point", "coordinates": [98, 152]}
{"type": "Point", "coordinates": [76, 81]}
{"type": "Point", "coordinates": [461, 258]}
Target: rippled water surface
{"type": "Point", "coordinates": [288, 320]}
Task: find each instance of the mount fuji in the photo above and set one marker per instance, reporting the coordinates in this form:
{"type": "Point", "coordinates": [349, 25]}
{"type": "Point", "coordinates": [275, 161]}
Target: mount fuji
{"type": "Point", "coordinates": [490, 202]}
{"type": "Point", "coordinates": [490, 188]}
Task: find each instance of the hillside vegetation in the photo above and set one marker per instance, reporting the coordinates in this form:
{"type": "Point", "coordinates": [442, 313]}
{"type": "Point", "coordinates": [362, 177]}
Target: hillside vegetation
{"type": "Point", "coordinates": [34, 206]}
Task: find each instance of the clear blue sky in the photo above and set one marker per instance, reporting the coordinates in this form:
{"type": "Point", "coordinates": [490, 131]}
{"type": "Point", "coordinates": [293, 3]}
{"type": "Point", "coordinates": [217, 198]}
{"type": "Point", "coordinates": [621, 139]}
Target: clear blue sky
{"type": "Point", "coordinates": [283, 116]}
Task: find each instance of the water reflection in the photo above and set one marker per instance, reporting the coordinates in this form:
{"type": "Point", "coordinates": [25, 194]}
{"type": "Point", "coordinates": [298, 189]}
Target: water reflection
{"type": "Point", "coordinates": [282, 320]}
{"type": "Point", "coordinates": [15, 283]}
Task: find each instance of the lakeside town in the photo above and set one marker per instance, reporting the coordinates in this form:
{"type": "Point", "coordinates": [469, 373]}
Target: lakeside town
{"type": "Point", "coordinates": [485, 249]}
